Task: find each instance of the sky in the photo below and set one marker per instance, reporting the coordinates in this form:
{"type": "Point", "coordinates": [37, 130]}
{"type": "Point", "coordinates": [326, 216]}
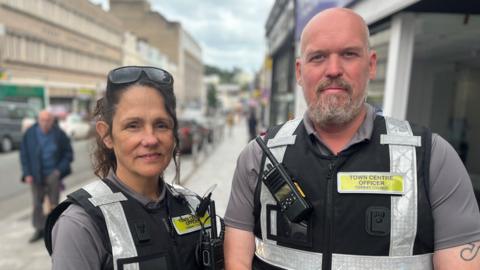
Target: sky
{"type": "Point", "coordinates": [230, 32]}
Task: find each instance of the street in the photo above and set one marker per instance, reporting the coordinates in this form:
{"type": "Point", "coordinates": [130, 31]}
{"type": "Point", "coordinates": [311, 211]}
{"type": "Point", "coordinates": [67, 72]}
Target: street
{"type": "Point", "coordinates": [15, 198]}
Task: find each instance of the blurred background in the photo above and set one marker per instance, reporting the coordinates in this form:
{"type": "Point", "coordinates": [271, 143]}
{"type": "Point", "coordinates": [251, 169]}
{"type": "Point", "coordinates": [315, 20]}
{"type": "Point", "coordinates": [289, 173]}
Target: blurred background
{"type": "Point", "coordinates": [233, 64]}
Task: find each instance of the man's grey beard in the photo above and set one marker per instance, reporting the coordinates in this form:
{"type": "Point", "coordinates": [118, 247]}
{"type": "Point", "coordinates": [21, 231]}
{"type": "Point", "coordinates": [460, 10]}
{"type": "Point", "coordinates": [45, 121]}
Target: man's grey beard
{"type": "Point", "coordinates": [335, 109]}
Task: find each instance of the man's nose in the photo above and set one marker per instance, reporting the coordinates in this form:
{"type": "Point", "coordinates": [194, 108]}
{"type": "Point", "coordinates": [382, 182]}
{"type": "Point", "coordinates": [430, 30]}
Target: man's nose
{"type": "Point", "coordinates": [334, 67]}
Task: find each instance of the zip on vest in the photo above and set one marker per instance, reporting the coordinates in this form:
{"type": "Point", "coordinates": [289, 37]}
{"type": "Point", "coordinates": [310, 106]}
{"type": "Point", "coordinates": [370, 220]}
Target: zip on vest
{"type": "Point", "coordinates": [329, 216]}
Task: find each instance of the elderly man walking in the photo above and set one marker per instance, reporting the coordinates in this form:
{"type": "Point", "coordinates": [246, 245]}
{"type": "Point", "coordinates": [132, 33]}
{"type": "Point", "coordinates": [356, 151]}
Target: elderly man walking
{"type": "Point", "coordinates": [45, 154]}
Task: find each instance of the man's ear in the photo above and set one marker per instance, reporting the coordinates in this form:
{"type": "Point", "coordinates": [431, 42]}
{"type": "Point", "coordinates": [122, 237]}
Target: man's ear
{"type": "Point", "coordinates": [102, 131]}
{"type": "Point", "coordinates": [298, 71]}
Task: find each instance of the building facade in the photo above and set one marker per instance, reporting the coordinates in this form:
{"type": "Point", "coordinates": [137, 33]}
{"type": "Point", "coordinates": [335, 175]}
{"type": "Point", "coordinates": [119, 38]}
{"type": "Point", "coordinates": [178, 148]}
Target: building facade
{"type": "Point", "coordinates": [180, 48]}
{"type": "Point", "coordinates": [280, 32]}
{"type": "Point", "coordinates": [66, 47]}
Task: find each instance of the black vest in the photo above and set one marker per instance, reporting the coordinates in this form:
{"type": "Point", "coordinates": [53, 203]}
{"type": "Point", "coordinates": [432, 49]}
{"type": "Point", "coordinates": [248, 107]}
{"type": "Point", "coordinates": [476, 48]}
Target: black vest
{"type": "Point", "coordinates": [157, 243]}
{"type": "Point", "coordinates": [339, 221]}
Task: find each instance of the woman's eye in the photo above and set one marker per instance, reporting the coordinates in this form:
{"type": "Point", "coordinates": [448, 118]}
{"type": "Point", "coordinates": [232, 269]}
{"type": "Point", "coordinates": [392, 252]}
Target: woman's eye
{"type": "Point", "coordinates": [162, 125]}
{"type": "Point", "coordinates": [132, 125]}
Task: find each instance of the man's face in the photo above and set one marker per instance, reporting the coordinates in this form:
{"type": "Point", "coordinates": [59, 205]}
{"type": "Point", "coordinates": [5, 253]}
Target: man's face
{"type": "Point", "coordinates": [45, 120]}
{"type": "Point", "coordinates": [335, 67]}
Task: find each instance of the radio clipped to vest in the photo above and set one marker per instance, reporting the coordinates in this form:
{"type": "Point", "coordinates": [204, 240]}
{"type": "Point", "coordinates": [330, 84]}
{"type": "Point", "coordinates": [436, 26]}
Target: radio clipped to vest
{"type": "Point", "coordinates": [209, 251]}
{"type": "Point", "coordinates": [288, 194]}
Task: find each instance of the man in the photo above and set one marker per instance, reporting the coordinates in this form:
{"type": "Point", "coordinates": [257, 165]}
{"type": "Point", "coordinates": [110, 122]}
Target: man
{"type": "Point", "coordinates": [45, 154]}
{"type": "Point", "coordinates": [385, 194]}
{"type": "Point", "coordinates": [252, 124]}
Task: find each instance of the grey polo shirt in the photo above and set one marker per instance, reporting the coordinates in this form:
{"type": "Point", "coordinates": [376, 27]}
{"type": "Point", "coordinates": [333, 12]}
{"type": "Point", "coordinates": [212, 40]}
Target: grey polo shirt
{"type": "Point", "coordinates": [454, 207]}
{"type": "Point", "coordinates": [76, 239]}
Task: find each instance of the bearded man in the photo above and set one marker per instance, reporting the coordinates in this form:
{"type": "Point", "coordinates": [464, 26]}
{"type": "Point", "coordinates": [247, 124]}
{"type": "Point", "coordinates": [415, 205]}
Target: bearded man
{"type": "Point", "coordinates": [385, 194]}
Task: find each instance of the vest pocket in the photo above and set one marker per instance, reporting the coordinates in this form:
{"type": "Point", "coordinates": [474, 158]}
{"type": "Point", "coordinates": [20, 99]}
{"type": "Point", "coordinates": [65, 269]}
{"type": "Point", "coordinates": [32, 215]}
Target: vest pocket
{"type": "Point", "coordinates": [158, 261]}
{"type": "Point", "coordinates": [286, 233]}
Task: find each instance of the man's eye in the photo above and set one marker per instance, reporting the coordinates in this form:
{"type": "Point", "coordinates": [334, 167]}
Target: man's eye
{"type": "Point", "coordinates": [350, 54]}
{"type": "Point", "coordinates": [317, 57]}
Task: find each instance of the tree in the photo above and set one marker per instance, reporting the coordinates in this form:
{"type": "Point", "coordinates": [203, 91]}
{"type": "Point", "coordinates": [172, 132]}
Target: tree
{"type": "Point", "coordinates": [212, 100]}
{"type": "Point", "coordinates": [226, 76]}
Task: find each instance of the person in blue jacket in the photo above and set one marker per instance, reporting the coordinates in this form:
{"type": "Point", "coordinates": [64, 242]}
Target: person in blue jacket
{"type": "Point", "coordinates": [45, 155]}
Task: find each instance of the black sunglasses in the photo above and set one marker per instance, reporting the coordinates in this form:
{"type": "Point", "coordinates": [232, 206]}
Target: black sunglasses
{"type": "Point", "coordinates": [131, 74]}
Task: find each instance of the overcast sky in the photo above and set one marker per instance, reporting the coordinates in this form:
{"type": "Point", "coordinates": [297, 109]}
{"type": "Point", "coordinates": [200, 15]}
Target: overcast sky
{"type": "Point", "coordinates": [230, 32]}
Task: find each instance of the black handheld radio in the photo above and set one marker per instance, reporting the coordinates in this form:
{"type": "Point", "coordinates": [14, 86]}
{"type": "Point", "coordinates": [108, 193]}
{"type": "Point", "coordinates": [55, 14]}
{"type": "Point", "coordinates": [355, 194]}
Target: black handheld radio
{"type": "Point", "coordinates": [210, 249]}
{"type": "Point", "coordinates": [288, 194]}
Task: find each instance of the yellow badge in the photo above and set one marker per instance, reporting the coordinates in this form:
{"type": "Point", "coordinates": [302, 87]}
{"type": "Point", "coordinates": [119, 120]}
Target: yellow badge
{"type": "Point", "coordinates": [190, 223]}
{"type": "Point", "coordinates": [370, 182]}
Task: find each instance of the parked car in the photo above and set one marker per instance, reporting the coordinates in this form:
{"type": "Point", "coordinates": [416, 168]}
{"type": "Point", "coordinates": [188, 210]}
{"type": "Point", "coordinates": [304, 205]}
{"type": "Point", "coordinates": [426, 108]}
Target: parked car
{"type": "Point", "coordinates": [15, 118]}
{"type": "Point", "coordinates": [75, 127]}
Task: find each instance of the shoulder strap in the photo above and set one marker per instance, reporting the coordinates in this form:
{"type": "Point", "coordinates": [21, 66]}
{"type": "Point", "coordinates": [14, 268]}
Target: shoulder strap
{"type": "Point", "coordinates": [183, 194]}
{"type": "Point", "coordinates": [283, 135]}
{"type": "Point", "coordinates": [427, 143]}
{"type": "Point", "coordinates": [401, 143]}
{"type": "Point", "coordinates": [271, 132]}
{"type": "Point", "coordinates": [51, 220]}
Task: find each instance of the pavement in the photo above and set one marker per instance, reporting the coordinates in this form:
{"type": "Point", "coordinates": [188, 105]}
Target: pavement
{"type": "Point", "coordinates": [214, 165]}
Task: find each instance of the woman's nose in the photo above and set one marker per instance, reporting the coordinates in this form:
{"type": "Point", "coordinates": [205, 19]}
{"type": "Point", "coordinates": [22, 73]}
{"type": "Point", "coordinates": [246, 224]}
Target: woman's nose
{"type": "Point", "coordinates": [149, 139]}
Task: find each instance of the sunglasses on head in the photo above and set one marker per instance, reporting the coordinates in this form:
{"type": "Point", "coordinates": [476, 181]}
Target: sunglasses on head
{"type": "Point", "coordinates": [131, 74]}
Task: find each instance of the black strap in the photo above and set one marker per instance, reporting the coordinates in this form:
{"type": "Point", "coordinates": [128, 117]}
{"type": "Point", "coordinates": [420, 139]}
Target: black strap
{"type": "Point", "coordinates": [427, 142]}
{"type": "Point", "coordinates": [80, 198]}
{"type": "Point", "coordinates": [51, 219]}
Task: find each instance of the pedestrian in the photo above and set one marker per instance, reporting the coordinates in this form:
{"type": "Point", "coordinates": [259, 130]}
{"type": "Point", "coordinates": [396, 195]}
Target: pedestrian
{"type": "Point", "coordinates": [131, 218]}
{"type": "Point", "coordinates": [45, 154]}
{"type": "Point", "coordinates": [230, 122]}
{"type": "Point", "coordinates": [252, 124]}
{"type": "Point", "coordinates": [384, 193]}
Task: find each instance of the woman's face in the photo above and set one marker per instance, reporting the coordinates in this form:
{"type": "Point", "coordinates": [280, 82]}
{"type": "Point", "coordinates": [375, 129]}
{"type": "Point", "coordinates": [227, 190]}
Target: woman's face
{"type": "Point", "coordinates": [142, 134]}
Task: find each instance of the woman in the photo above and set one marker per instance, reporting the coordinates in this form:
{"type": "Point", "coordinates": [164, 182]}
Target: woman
{"type": "Point", "coordinates": [131, 219]}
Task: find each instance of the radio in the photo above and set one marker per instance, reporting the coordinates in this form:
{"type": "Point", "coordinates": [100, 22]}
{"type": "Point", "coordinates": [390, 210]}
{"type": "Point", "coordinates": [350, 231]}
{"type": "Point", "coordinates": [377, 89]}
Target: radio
{"type": "Point", "coordinates": [288, 194]}
{"type": "Point", "coordinates": [209, 251]}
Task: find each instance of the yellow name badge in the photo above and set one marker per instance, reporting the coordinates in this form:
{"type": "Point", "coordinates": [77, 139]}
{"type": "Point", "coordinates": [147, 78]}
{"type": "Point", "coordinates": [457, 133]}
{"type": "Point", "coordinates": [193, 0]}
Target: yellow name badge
{"type": "Point", "coordinates": [190, 223]}
{"type": "Point", "coordinates": [370, 182]}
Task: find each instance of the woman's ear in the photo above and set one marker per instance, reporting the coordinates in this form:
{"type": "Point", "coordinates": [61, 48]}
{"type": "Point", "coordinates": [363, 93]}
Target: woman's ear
{"type": "Point", "coordinates": [102, 131]}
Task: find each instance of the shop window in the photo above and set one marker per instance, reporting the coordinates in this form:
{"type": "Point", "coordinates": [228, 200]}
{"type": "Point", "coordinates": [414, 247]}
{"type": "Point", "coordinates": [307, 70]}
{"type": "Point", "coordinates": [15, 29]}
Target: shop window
{"type": "Point", "coordinates": [376, 88]}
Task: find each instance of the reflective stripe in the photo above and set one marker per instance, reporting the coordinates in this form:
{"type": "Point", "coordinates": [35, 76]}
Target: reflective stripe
{"type": "Point", "coordinates": [278, 151]}
{"type": "Point", "coordinates": [281, 141]}
{"type": "Point", "coordinates": [287, 258]}
{"type": "Point", "coordinates": [403, 208]}
{"type": "Point", "coordinates": [107, 199]}
{"type": "Point", "coordinates": [286, 130]}
{"type": "Point", "coordinates": [356, 262]}
{"type": "Point", "coordinates": [121, 239]}
{"type": "Point", "coordinates": [401, 140]}
{"type": "Point", "coordinates": [265, 199]}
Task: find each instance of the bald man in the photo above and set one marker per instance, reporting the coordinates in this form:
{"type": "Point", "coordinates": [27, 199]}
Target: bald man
{"type": "Point", "coordinates": [45, 154]}
{"type": "Point", "coordinates": [386, 194]}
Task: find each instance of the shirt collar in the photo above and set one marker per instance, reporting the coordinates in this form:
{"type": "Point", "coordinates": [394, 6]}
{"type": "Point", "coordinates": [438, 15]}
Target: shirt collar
{"type": "Point", "coordinates": [145, 201]}
{"type": "Point", "coordinates": [363, 133]}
